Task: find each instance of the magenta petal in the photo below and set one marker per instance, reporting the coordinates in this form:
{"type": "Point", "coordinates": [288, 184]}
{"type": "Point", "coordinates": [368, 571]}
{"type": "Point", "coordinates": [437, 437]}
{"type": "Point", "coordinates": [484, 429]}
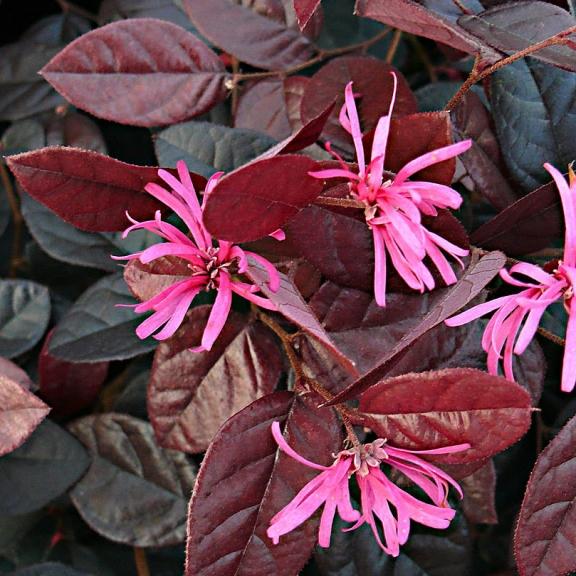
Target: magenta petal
{"type": "Point", "coordinates": [569, 362]}
{"type": "Point", "coordinates": [355, 127]}
{"type": "Point", "coordinates": [219, 312]}
{"type": "Point", "coordinates": [379, 267]}
{"type": "Point", "coordinates": [285, 447]}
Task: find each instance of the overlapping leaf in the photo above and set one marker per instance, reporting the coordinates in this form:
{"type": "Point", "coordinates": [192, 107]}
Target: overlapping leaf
{"type": "Point", "coordinates": [545, 535]}
{"type": "Point", "coordinates": [515, 26]}
{"type": "Point", "coordinates": [96, 330]}
{"type": "Point", "coordinates": [479, 503]}
{"type": "Point", "coordinates": [272, 45]}
{"type": "Point", "coordinates": [20, 413]}
{"type": "Point", "coordinates": [448, 407]}
{"type": "Point", "coordinates": [144, 72]}
{"type": "Point", "coordinates": [43, 468]}
{"type": "Point", "coordinates": [134, 492]}
{"type": "Point", "coordinates": [191, 395]}
{"type": "Point", "coordinates": [305, 10]}
{"type": "Point", "coordinates": [24, 315]}
{"type": "Point", "coordinates": [261, 197]}
{"type": "Point", "coordinates": [244, 481]}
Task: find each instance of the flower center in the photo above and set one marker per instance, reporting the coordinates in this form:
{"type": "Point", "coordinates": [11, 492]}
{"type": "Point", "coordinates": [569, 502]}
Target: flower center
{"type": "Point", "coordinates": [366, 456]}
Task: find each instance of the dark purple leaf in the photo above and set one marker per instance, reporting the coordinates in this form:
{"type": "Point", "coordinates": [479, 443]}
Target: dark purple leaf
{"type": "Point", "coordinates": [144, 72]}
{"type": "Point", "coordinates": [259, 198]}
{"type": "Point", "coordinates": [244, 481]}
{"type": "Point", "coordinates": [24, 315]}
{"type": "Point", "coordinates": [545, 534]}
{"type": "Point", "coordinates": [68, 387]}
{"type": "Point", "coordinates": [191, 395]}
{"type": "Point", "coordinates": [479, 488]}
{"type": "Point", "coordinates": [20, 414]}
{"type": "Point", "coordinates": [526, 226]}
{"type": "Point", "coordinates": [372, 82]}
{"type": "Point", "coordinates": [272, 45]}
{"type": "Point", "coordinates": [479, 273]}
{"type": "Point", "coordinates": [134, 492]}
{"type": "Point", "coordinates": [434, 19]}
{"type": "Point", "coordinates": [87, 189]}
{"type": "Point", "coordinates": [48, 569]}
{"type": "Point", "coordinates": [42, 469]}
{"type": "Point", "coordinates": [483, 160]}
{"type": "Point", "coordinates": [292, 305]}
{"type": "Point", "coordinates": [446, 407]}
{"type": "Point", "coordinates": [111, 10]}
{"type": "Point", "coordinates": [518, 25]}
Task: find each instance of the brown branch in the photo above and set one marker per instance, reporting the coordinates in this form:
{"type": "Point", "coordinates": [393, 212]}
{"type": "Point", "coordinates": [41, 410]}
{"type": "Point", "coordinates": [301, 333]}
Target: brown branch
{"type": "Point", "coordinates": [17, 219]}
{"type": "Point", "coordinates": [392, 49]}
{"type": "Point", "coordinates": [339, 202]}
{"type": "Point", "coordinates": [320, 57]}
{"type": "Point", "coordinates": [477, 76]}
{"type": "Point", "coordinates": [552, 337]}
{"type": "Point", "coordinates": [462, 7]}
{"type": "Point", "coordinates": [142, 568]}
{"type": "Point", "coordinates": [424, 57]}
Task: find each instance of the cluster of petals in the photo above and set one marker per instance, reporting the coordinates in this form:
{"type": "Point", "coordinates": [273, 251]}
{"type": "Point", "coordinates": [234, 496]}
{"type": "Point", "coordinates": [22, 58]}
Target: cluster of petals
{"type": "Point", "coordinates": [394, 208]}
{"type": "Point", "coordinates": [381, 499]}
{"type": "Point", "coordinates": [213, 264]}
{"type": "Point", "coordinates": [517, 316]}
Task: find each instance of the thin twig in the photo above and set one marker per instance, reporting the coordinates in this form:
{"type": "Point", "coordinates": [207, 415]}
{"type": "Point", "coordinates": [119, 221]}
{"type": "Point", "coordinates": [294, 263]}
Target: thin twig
{"type": "Point", "coordinates": [462, 7]}
{"type": "Point", "coordinates": [339, 202]}
{"type": "Point", "coordinates": [17, 219]}
{"type": "Point", "coordinates": [477, 76]}
{"type": "Point", "coordinates": [392, 49]}
{"type": "Point", "coordinates": [320, 57]}
{"type": "Point", "coordinates": [66, 6]}
{"type": "Point", "coordinates": [424, 57]}
{"type": "Point", "coordinates": [141, 562]}
{"type": "Point", "coordinates": [552, 337]}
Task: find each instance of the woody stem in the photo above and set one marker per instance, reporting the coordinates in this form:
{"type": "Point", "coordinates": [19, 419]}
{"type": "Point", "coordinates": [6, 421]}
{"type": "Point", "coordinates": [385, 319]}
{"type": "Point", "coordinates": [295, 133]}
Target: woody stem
{"type": "Point", "coordinates": [16, 219]}
{"type": "Point", "coordinates": [477, 76]}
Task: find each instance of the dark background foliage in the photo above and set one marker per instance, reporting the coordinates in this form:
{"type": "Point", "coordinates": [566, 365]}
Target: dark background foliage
{"type": "Point", "coordinates": [102, 435]}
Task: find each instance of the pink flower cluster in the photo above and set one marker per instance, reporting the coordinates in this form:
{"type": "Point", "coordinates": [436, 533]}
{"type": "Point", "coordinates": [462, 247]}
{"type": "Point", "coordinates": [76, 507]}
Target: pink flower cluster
{"type": "Point", "coordinates": [378, 493]}
{"type": "Point", "coordinates": [213, 265]}
{"type": "Point", "coordinates": [394, 208]}
{"type": "Point", "coordinates": [518, 315]}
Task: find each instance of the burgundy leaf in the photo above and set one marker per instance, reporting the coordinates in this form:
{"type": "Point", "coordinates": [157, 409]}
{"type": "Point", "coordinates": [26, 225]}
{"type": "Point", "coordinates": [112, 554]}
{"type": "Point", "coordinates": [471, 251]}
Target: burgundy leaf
{"type": "Point", "coordinates": [526, 226]}
{"type": "Point", "coordinates": [434, 19]}
{"type": "Point", "coordinates": [445, 407]}
{"type": "Point", "coordinates": [305, 10]}
{"type": "Point", "coordinates": [191, 395]}
{"type": "Point", "coordinates": [262, 107]}
{"type": "Point", "coordinates": [478, 274]}
{"type": "Point", "coordinates": [87, 189]}
{"type": "Point", "coordinates": [134, 492]}
{"type": "Point", "coordinates": [291, 304]}
{"type": "Point", "coordinates": [518, 25]}
{"type": "Point", "coordinates": [68, 387]}
{"type": "Point", "coordinates": [479, 488]}
{"type": "Point", "coordinates": [272, 45]}
{"type": "Point", "coordinates": [372, 82]}
{"type": "Point", "coordinates": [294, 88]}
{"type": "Point", "coordinates": [20, 414]}
{"type": "Point", "coordinates": [261, 197]}
{"type": "Point", "coordinates": [305, 136]}
{"type": "Point", "coordinates": [244, 481]}
{"type": "Point", "coordinates": [142, 71]}
{"type": "Point", "coordinates": [546, 530]}
{"type": "Point", "coordinates": [483, 160]}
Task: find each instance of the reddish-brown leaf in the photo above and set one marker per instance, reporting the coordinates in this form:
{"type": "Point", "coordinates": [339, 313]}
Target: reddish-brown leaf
{"type": "Point", "coordinates": [446, 407]}
{"type": "Point", "coordinates": [68, 387]}
{"type": "Point", "coordinates": [261, 197]}
{"type": "Point", "coordinates": [143, 71]}
{"type": "Point", "coordinates": [372, 82]}
{"type": "Point", "coordinates": [305, 10]}
{"type": "Point", "coordinates": [435, 19]}
{"type": "Point", "coordinates": [292, 305]}
{"type": "Point", "coordinates": [528, 225]}
{"type": "Point", "coordinates": [191, 395]}
{"type": "Point", "coordinates": [271, 44]}
{"type": "Point", "coordinates": [479, 488]}
{"type": "Point", "coordinates": [147, 280]}
{"type": "Point", "coordinates": [20, 414]}
{"type": "Point", "coordinates": [245, 480]}
{"type": "Point", "coordinates": [87, 189]}
{"type": "Point", "coordinates": [478, 274]}
{"type": "Point", "coordinates": [545, 540]}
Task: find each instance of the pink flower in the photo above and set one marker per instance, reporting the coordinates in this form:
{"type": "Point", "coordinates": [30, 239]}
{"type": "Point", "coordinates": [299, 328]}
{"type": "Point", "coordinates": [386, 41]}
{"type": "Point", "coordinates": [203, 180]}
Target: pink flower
{"type": "Point", "coordinates": [213, 264]}
{"type": "Point", "coordinates": [517, 316]}
{"type": "Point", "coordinates": [394, 208]}
{"type": "Point", "coordinates": [330, 488]}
